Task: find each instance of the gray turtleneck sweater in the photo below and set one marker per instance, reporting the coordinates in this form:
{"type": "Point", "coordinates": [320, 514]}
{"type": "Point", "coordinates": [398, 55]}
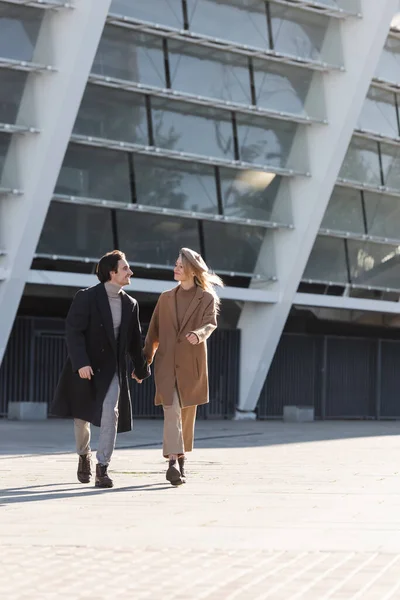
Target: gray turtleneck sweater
{"type": "Point", "coordinates": [114, 298]}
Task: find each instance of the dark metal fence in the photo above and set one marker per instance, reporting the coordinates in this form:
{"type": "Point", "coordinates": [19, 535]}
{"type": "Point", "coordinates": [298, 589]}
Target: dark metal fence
{"type": "Point", "coordinates": [36, 353]}
{"type": "Point", "coordinates": [341, 377]}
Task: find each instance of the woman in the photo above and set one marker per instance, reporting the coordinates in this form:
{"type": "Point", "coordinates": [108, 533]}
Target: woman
{"type": "Point", "coordinates": [182, 321]}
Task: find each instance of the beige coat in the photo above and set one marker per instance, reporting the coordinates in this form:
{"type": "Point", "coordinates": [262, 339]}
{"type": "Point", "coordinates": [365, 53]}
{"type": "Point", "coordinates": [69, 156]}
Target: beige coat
{"type": "Point", "coordinates": [177, 361]}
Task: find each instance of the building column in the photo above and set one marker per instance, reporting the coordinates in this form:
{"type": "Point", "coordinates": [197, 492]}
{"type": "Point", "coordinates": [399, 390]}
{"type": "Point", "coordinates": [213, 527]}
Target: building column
{"type": "Point", "coordinates": [261, 326]}
{"type": "Point", "coordinates": [67, 41]}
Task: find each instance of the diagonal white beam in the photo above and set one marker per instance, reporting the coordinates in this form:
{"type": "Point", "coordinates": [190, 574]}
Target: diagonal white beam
{"type": "Point", "coordinates": [68, 41]}
{"type": "Point", "coordinates": [362, 42]}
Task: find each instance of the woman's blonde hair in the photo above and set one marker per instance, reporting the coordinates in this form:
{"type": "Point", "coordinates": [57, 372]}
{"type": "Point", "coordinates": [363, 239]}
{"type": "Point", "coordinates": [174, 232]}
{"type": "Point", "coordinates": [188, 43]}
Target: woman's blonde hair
{"type": "Point", "coordinates": [193, 263]}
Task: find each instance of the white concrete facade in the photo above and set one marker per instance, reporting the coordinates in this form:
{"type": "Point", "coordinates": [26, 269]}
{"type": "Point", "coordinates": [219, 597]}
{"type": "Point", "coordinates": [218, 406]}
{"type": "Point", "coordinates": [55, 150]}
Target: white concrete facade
{"type": "Point", "coordinates": [67, 41]}
{"type": "Point", "coordinates": [345, 91]}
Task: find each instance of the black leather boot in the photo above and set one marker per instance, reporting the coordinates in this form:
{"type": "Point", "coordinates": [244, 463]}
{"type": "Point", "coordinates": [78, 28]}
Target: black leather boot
{"type": "Point", "coordinates": [181, 461]}
{"type": "Point", "coordinates": [173, 475]}
{"type": "Point", "coordinates": [84, 468]}
{"type": "Point", "coordinates": [102, 478]}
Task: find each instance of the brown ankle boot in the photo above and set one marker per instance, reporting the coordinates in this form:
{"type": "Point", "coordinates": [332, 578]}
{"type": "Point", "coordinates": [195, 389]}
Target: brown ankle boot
{"type": "Point", "coordinates": [102, 478]}
{"type": "Point", "coordinates": [173, 475]}
{"type": "Point", "coordinates": [181, 461]}
{"type": "Point", "coordinates": [84, 468]}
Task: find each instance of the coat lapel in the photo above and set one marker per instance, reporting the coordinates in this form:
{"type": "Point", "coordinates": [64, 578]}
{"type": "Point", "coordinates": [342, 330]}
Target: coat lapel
{"type": "Point", "coordinates": [105, 310]}
{"type": "Point", "coordinates": [172, 307]}
{"type": "Point", "coordinates": [192, 307]}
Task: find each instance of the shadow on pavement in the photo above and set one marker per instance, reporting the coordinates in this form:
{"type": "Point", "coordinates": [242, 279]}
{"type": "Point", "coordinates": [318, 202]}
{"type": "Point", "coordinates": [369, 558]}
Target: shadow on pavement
{"type": "Point", "coordinates": [19, 495]}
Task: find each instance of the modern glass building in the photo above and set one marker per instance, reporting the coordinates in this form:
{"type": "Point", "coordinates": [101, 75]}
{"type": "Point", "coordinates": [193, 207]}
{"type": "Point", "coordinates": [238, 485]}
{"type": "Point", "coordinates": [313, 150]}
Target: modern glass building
{"type": "Point", "coordinates": [264, 134]}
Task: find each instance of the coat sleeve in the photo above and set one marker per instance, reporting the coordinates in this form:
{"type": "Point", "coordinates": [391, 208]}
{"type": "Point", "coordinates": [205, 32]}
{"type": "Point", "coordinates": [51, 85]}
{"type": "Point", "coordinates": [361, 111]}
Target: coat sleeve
{"type": "Point", "coordinates": [152, 338]}
{"type": "Point", "coordinates": [209, 322]}
{"type": "Point", "coordinates": [135, 350]}
{"type": "Point", "coordinates": [76, 325]}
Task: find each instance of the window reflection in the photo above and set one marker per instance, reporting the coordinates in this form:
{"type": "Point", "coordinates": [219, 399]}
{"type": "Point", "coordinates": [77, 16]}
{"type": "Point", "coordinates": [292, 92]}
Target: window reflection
{"type": "Point", "coordinates": [383, 215]}
{"type": "Point", "coordinates": [167, 12]}
{"type": "Point", "coordinates": [389, 64]}
{"type": "Point", "coordinates": [240, 22]}
{"type": "Point", "coordinates": [377, 265]}
{"type": "Point", "coordinates": [74, 230]}
{"type": "Point", "coordinates": [391, 165]}
{"type": "Point", "coordinates": [112, 114]}
{"type": "Point", "coordinates": [281, 88]}
{"type": "Point", "coordinates": [379, 113]}
{"type": "Point", "coordinates": [241, 246]}
{"type": "Point", "coordinates": [130, 55]}
{"type": "Point", "coordinates": [361, 163]}
{"type": "Point", "coordinates": [265, 141]}
{"type": "Point", "coordinates": [208, 72]}
{"type": "Point", "coordinates": [194, 129]}
{"type": "Point", "coordinates": [297, 32]}
{"type": "Point", "coordinates": [154, 239]}
{"type": "Point", "coordinates": [250, 194]}
{"type": "Point", "coordinates": [344, 211]}
{"type": "Point", "coordinates": [95, 173]}
{"type": "Point", "coordinates": [327, 261]}
{"type": "Point", "coordinates": [175, 185]}
{"type": "Point", "coordinates": [4, 144]}
{"type": "Point", "coordinates": [19, 30]}
{"type": "Point", "coordinates": [12, 85]}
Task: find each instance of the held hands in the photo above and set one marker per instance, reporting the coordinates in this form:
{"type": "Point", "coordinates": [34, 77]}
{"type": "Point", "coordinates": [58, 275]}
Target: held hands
{"type": "Point", "coordinates": [192, 338]}
{"type": "Point", "coordinates": [86, 373]}
{"type": "Point", "coordinates": [135, 378]}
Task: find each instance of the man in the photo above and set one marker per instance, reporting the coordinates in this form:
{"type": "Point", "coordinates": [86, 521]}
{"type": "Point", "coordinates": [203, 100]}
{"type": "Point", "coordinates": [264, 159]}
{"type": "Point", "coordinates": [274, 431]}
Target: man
{"type": "Point", "coordinates": [102, 328]}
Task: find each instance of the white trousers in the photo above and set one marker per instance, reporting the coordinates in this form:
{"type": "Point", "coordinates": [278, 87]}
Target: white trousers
{"type": "Point", "coordinates": [108, 427]}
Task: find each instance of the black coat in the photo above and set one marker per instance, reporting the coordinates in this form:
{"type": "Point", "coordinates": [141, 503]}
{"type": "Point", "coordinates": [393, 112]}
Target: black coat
{"type": "Point", "coordinates": [91, 342]}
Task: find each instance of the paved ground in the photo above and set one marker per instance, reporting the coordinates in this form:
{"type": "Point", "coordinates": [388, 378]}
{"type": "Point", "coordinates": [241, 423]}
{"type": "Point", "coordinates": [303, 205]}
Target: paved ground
{"type": "Point", "coordinates": [270, 511]}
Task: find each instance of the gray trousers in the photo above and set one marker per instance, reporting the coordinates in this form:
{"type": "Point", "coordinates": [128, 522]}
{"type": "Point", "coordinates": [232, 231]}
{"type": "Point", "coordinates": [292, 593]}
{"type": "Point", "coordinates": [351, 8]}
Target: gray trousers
{"type": "Point", "coordinates": [108, 427]}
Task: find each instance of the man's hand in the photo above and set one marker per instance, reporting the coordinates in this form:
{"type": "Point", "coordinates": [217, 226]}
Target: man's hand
{"type": "Point", "coordinates": [192, 338]}
{"type": "Point", "coordinates": [135, 378]}
{"type": "Point", "coordinates": [86, 373]}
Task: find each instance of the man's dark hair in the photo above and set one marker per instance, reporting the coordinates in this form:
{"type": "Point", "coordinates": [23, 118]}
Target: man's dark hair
{"type": "Point", "coordinates": [108, 264]}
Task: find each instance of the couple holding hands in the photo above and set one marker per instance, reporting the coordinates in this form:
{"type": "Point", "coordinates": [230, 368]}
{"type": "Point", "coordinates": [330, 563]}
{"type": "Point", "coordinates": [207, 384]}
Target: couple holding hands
{"type": "Point", "coordinates": [103, 330]}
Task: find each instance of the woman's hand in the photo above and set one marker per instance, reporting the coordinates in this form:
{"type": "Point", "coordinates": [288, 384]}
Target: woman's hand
{"type": "Point", "coordinates": [135, 378]}
{"type": "Point", "coordinates": [192, 338]}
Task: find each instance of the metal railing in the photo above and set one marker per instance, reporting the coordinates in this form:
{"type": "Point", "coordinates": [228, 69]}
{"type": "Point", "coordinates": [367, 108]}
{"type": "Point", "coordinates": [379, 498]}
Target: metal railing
{"type": "Point", "coordinates": [36, 353]}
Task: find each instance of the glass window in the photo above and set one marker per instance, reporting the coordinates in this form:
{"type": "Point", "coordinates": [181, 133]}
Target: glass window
{"type": "Point", "coordinates": [12, 85]}
{"type": "Point", "coordinates": [130, 55]}
{"type": "Point", "coordinates": [389, 64]}
{"type": "Point", "coordinates": [383, 215]}
{"type": "Point", "coordinates": [167, 12]}
{"type": "Point", "coordinates": [377, 265]}
{"type": "Point", "coordinates": [344, 211]}
{"type": "Point", "coordinates": [233, 248]}
{"type": "Point", "coordinates": [112, 114]}
{"type": "Point", "coordinates": [95, 173]}
{"type": "Point", "coordinates": [265, 141]}
{"type": "Point", "coordinates": [299, 33]}
{"type": "Point", "coordinates": [327, 261]}
{"type": "Point", "coordinates": [281, 87]}
{"type": "Point", "coordinates": [194, 129]}
{"type": "Point", "coordinates": [208, 72]}
{"type": "Point", "coordinates": [4, 144]}
{"type": "Point", "coordinates": [155, 239]}
{"type": "Point", "coordinates": [379, 113]}
{"type": "Point", "coordinates": [19, 30]}
{"type": "Point", "coordinates": [175, 184]}
{"type": "Point", "coordinates": [391, 165]}
{"type": "Point", "coordinates": [74, 230]}
{"type": "Point", "coordinates": [250, 194]}
{"type": "Point", "coordinates": [237, 21]}
{"type": "Point", "coordinates": [361, 163]}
